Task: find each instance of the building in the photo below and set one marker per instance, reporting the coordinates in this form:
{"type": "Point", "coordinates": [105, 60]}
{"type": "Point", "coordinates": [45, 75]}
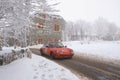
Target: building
{"type": "Point", "coordinates": [50, 27]}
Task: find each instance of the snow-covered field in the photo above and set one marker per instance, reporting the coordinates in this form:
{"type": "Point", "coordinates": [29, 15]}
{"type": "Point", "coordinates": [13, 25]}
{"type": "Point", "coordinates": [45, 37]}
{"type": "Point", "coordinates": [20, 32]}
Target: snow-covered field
{"type": "Point", "coordinates": [36, 68]}
{"type": "Point", "coordinates": [99, 50]}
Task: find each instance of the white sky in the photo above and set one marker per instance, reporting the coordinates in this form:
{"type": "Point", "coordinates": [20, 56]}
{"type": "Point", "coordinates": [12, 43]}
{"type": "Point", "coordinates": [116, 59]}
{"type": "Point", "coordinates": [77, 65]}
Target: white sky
{"type": "Point", "coordinates": [90, 10]}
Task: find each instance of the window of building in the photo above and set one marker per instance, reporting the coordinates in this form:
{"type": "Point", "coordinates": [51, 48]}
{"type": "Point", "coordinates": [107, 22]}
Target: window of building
{"type": "Point", "coordinates": [40, 25]}
{"type": "Point", "coordinates": [44, 16]}
{"type": "Point", "coordinates": [56, 27]}
{"type": "Point", "coordinates": [56, 40]}
{"type": "Point", "coordinates": [39, 40]}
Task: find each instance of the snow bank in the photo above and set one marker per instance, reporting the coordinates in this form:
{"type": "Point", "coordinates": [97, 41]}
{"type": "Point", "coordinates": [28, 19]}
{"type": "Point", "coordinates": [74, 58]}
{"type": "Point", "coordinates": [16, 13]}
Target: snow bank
{"type": "Point", "coordinates": [8, 50]}
{"type": "Point", "coordinates": [35, 46]}
{"type": "Point", "coordinates": [36, 68]}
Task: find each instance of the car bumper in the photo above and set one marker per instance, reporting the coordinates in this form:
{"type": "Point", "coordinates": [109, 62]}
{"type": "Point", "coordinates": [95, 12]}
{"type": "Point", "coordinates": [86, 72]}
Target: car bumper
{"type": "Point", "coordinates": [64, 56]}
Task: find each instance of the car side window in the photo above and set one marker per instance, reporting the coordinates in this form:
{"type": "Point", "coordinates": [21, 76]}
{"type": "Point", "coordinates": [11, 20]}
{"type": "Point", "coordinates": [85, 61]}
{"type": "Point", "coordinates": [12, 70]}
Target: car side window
{"type": "Point", "coordinates": [46, 45]}
{"type": "Point", "coordinates": [51, 45]}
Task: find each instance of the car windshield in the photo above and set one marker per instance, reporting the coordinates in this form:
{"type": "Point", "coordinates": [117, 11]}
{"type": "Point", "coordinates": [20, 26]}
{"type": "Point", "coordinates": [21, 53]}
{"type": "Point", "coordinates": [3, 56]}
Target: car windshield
{"type": "Point", "coordinates": [56, 44]}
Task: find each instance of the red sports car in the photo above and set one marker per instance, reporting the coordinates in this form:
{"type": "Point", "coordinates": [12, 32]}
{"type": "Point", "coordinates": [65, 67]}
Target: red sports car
{"type": "Point", "coordinates": [56, 50]}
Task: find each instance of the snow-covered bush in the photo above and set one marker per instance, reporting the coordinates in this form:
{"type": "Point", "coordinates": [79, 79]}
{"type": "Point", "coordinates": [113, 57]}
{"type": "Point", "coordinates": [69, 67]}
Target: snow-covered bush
{"type": "Point", "coordinates": [6, 58]}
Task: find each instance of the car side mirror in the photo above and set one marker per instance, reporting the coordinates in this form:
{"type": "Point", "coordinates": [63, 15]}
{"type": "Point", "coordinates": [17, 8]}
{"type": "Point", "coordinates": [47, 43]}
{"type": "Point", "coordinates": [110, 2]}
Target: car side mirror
{"type": "Point", "coordinates": [65, 46]}
{"type": "Point", "coordinates": [47, 46]}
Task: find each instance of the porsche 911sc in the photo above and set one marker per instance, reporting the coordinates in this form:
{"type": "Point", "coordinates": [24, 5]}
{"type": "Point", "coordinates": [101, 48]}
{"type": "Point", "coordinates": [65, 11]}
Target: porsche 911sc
{"type": "Point", "coordinates": [56, 50]}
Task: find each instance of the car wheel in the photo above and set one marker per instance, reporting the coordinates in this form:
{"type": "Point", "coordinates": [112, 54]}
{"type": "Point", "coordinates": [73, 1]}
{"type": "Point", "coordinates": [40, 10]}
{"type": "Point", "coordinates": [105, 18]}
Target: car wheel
{"type": "Point", "coordinates": [41, 52]}
{"type": "Point", "coordinates": [52, 55]}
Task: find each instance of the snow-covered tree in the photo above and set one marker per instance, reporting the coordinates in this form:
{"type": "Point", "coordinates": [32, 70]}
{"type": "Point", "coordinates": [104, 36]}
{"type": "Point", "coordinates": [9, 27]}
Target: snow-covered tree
{"type": "Point", "coordinates": [82, 30]}
{"type": "Point", "coordinates": [15, 17]}
{"type": "Point", "coordinates": [43, 6]}
{"type": "Point", "coordinates": [104, 29]}
{"type": "Point", "coordinates": [78, 30]}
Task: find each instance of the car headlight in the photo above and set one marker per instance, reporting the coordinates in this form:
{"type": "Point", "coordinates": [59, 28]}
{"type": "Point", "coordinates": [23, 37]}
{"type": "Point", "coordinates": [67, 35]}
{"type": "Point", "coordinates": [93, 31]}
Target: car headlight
{"type": "Point", "coordinates": [62, 52]}
{"type": "Point", "coordinates": [57, 51]}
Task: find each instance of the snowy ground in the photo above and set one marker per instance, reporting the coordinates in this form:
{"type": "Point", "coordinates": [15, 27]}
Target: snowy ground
{"type": "Point", "coordinates": [36, 68]}
{"type": "Point", "coordinates": [99, 50]}
{"type": "Point", "coordinates": [39, 68]}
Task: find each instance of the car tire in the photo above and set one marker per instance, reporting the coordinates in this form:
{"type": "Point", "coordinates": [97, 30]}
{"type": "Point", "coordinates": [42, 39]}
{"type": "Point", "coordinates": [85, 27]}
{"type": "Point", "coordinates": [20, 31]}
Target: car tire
{"type": "Point", "coordinates": [52, 55]}
{"type": "Point", "coordinates": [70, 57]}
{"type": "Point", "coordinates": [41, 53]}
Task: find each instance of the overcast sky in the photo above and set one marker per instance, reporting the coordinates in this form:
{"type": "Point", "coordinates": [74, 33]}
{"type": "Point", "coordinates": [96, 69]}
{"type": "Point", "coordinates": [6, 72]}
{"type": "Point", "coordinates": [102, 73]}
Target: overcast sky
{"type": "Point", "coordinates": [90, 10]}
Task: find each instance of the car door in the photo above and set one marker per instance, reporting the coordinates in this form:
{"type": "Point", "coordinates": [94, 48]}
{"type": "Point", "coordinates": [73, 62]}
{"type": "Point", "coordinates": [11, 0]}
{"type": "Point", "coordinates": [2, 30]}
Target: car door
{"type": "Point", "coordinates": [50, 48]}
{"type": "Point", "coordinates": [46, 49]}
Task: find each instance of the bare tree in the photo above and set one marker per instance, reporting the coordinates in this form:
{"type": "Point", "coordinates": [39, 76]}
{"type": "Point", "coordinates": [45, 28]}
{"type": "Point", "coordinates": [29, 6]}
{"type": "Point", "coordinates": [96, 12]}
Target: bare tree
{"type": "Point", "coordinates": [105, 30]}
{"type": "Point", "coordinates": [82, 30]}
